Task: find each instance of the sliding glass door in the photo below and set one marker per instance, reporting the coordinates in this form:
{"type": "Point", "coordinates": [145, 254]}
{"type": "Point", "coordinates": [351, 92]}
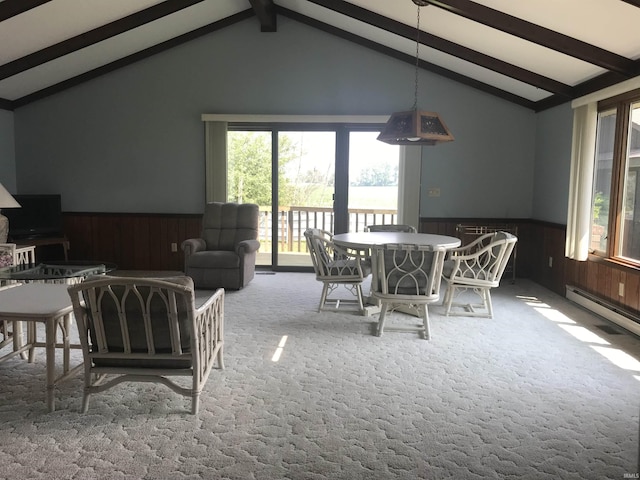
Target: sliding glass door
{"type": "Point", "coordinates": [373, 181]}
{"type": "Point", "coordinates": [334, 178]}
{"type": "Point", "coordinates": [250, 179]}
{"type": "Point", "coordinates": [306, 182]}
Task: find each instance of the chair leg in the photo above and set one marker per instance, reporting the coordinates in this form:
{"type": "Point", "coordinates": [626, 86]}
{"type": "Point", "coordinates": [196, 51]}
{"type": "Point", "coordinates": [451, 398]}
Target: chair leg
{"type": "Point", "coordinates": [85, 402]}
{"type": "Point", "coordinates": [195, 403]}
{"type": "Point", "coordinates": [448, 299]}
{"type": "Point", "coordinates": [359, 295]}
{"type": "Point", "coordinates": [323, 296]}
{"type": "Point", "coordinates": [487, 303]}
{"type": "Point", "coordinates": [381, 318]}
{"type": "Point", "coordinates": [220, 358]}
{"type": "Point", "coordinates": [425, 321]}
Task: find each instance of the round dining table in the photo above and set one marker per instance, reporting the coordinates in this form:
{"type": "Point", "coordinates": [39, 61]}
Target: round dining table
{"type": "Point", "coordinates": [366, 240]}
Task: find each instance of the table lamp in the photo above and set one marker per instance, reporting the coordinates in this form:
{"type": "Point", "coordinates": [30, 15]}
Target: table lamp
{"type": "Point", "coordinates": [6, 201]}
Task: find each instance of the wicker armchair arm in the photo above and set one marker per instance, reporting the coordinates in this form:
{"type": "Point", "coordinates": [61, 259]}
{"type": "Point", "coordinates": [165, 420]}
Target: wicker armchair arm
{"type": "Point", "coordinates": [349, 262]}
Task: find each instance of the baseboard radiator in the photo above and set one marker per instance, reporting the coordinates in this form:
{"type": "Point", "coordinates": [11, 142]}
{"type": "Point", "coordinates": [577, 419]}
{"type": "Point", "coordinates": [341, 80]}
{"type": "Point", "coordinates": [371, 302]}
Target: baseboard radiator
{"type": "Point", "coordinates": [607, 310]}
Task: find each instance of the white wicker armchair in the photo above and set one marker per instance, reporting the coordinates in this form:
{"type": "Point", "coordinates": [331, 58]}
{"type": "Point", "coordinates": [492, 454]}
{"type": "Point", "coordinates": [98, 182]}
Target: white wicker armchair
{"type": "Point", "coordinates": [145, 330]}
{"type": "Point", "coordinates": [335, 266]}
{"type": "Point", "coordinates": [407, 278]}
{"type": "Point", "coordinates": [478, 267]}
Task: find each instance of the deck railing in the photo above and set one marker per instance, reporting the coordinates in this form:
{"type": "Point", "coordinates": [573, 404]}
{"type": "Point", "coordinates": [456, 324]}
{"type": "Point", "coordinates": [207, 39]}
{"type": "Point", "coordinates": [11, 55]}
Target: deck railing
{"type": "Point", "coordinates": [293, 221]}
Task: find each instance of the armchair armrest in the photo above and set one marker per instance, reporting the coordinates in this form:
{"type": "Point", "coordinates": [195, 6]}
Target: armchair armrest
{"type": "Point", "coordinates": [247, 246]}
{"type": "Point", "coordinates": [348, 261]}
{"type": "Point", "coordinates": [470, 248]}
{"type": "Point", "coordinates": [193, 245]}
{"type": "Point", "coordinates": [470, 264]}
{"type": "Point", "coordinates": [209, 335]}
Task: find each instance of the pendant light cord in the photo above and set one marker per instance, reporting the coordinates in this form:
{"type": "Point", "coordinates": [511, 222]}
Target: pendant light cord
{"type": "Point", "coordinates": [415, 97]}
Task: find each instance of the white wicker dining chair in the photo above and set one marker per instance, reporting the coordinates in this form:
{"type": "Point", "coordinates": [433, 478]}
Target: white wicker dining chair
{"type": "Point", "coordinates": [335, 267]}
{"type": "Point", "coordinates": [391, 228]}
{"type": "Point", "coordinates": [477, 267]}
{"type": "Point", "coordinates": [407, 279]}
{"type": "Point", "coordinates": [147, 330]}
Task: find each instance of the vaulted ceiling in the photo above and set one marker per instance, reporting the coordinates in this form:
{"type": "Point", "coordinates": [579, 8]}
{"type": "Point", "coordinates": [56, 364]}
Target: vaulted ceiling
{"type": "Point", "coordinates": [536, 53]}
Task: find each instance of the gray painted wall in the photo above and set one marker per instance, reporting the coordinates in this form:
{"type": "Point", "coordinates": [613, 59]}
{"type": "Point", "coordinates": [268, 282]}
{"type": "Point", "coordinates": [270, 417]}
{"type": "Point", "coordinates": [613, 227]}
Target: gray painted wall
{"type": "Point", "coordinates": [553, 164]}
{"type": "Point", "coordinates": [133, 141]}
{"type": "Point", "coordinates": [488, 170]}
{"type": "Point", "coordinates": [7, 151]}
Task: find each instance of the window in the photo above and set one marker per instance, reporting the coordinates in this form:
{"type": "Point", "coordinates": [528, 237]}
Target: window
{"type": "Point", "coordinates": [615, 205]}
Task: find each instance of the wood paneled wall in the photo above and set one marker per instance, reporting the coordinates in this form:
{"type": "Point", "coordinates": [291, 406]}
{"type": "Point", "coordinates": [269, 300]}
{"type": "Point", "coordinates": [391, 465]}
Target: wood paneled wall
{"type": "Point", "coordinates": [602, 278]}
{"type": "Point", "coordinates": [132, 241]}
{"type": "Point", "coordinates": [538, 242]}
{"type": "Point", "coordinates": [143, 242]}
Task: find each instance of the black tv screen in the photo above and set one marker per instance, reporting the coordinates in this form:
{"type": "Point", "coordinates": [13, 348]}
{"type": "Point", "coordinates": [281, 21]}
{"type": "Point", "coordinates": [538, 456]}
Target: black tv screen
{"type": "Point", "coordinates": [39, 216]}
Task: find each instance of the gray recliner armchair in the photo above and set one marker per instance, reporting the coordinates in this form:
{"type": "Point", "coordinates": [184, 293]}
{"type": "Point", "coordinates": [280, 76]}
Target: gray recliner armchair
{"type": "Point", "coordinates": [225, 256]}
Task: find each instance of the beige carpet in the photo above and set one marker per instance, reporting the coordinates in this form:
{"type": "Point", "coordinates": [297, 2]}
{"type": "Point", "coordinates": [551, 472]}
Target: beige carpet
{"type": "Point", "coordinates": [518, 396]}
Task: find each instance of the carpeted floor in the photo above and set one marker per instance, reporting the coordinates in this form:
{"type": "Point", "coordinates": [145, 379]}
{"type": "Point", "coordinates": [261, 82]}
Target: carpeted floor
{"type": "Point", "coordinates": [529, 394]}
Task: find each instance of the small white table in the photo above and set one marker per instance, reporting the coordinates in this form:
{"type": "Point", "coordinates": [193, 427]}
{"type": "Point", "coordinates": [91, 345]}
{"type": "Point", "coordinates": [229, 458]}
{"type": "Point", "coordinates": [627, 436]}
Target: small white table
{"type": "Point", "coordinates": [35, 303]}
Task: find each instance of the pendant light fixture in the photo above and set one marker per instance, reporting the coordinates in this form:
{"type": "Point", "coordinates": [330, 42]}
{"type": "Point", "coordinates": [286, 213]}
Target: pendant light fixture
{"type": "Point", "coordinates": [415, 127]}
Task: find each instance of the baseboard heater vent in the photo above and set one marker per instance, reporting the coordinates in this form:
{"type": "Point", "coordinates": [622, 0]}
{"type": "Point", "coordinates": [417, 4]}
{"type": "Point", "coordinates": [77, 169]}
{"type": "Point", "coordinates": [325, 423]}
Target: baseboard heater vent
{"type": "Point", "coordinates": [605, 309]}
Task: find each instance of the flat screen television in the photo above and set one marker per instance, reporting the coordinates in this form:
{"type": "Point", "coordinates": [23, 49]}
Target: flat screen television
{"type": "Point", "coordinates": [39, 216]}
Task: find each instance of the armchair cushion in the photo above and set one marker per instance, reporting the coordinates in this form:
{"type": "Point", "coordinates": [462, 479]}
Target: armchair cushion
{"type": "Point", "coordinates": [214, 259]}
{"type": "Point", "coordinates": [225, 225]}
{"type": "Point", "coordinates": [408, 272]}
{"type": "Point", "coordinates": [136, 328]}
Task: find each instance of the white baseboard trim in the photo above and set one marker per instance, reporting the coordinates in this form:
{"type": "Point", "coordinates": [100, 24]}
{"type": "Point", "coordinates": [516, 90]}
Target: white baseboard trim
{"type": "Point", "coordinates": [604, 309]}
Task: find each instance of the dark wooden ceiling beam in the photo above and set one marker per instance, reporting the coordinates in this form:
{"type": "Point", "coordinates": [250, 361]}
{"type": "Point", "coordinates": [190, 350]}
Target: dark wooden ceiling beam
{"type": "Point", "coordinates": [635, 3]}
{"type": "Point", "coordinates": [11, 8]}
{"type": "Point", "coordinates": [446, 46]}
{"type": "Point", "coordinates": [131, 59]}
{"type": "Point", "coordinates": [266, 12]}
{"type": "Point", "coordinates": [6, 104]}
{"type": "Point", "coordinates": [94, 36]}
{"type": "Point", "coordinates": [539, 35]}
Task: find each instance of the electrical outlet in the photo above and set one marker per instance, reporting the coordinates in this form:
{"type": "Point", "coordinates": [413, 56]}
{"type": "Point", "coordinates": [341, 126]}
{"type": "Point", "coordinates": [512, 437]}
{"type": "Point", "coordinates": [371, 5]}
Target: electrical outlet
{"type": "Point", "coordinates": [550, 262]}
{"type": "Point", "coordinates": [174, 247]}
{"type": "Point", "coordinates": [621, 289]}
{"type": "Point", "coordinates": [433, 192]}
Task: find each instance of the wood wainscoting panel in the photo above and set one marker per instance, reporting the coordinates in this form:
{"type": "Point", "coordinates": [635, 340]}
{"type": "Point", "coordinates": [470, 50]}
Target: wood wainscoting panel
{"type": "Point", "coordinates": [538, 242]}
{"type": "Point", "coordinates": [133, 241]}
{"type": "Point", "coordinates": [603, 278]}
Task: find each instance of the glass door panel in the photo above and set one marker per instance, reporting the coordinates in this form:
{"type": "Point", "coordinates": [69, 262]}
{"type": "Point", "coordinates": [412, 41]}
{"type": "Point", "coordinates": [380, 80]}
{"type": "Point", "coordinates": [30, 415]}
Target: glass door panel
{"type": "Point", "coordinates": [373, 181]}
{"type": "Point", "coordinates": [306, 181]}
{"type": "Point", "coordinates": [249, 180]}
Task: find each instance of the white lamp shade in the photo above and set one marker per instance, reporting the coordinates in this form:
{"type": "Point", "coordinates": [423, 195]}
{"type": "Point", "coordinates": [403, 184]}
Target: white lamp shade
{"type": "Point", "coordinates": [6, 199]}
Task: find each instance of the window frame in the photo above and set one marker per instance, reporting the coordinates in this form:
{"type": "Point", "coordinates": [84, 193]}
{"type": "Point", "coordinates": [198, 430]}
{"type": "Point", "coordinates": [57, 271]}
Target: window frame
{"type": "Point", "coordinates": [622, 104]}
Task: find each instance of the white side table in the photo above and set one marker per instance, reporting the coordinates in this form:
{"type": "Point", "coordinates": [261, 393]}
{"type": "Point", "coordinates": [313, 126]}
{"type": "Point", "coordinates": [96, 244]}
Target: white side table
{"type": "Point", "coordinates": [45, 303]}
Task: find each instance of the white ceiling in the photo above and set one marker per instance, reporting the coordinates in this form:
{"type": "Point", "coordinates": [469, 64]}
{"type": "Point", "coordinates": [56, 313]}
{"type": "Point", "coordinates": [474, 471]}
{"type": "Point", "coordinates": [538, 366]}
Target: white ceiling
{"type": "Point", "coordinates": [78, 39]}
